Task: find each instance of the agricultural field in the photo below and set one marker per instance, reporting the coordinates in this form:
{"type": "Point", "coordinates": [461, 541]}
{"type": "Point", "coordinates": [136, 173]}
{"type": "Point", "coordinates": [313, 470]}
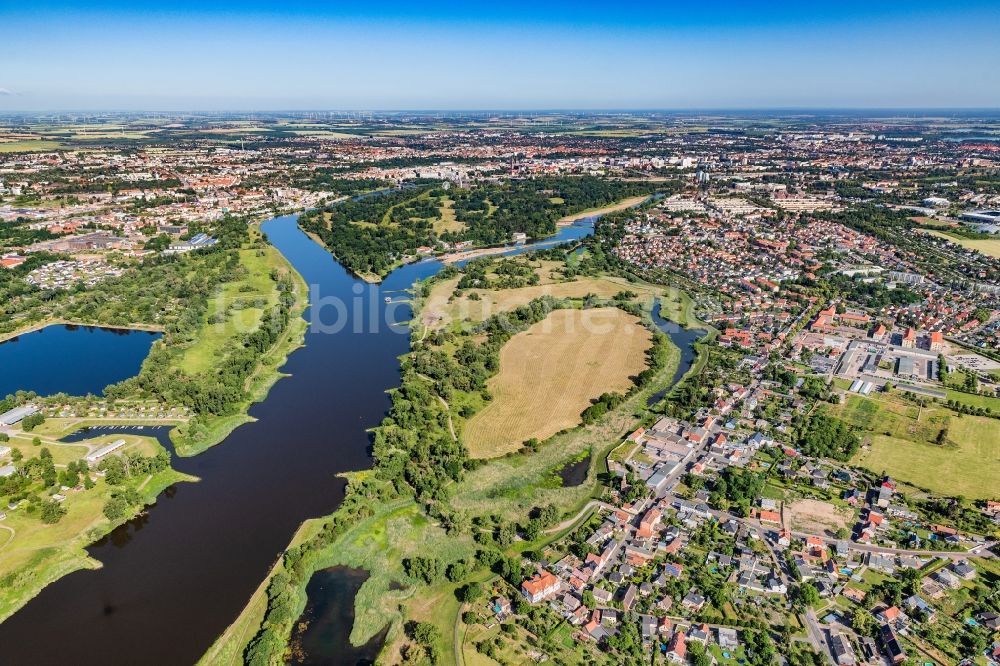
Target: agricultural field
{"type": "Point", "coordinates": [988, 246]}
{"type": "Point", "coordinates": [29, 145]}
{"type": "Point", "coordinates": [901, 439]}
{"type": "Point", "coordinates": [550, 373]}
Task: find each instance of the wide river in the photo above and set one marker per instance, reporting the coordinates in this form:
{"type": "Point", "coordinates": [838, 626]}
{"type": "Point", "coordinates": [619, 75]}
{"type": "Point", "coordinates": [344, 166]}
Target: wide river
{"type": "Point", "coordinates": [173, 579]}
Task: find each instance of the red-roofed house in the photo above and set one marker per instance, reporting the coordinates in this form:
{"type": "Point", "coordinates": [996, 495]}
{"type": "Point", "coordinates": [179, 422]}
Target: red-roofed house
{"type": "Point", "coordinates": [649, 522]}
{"type": "Point", "coordinates": [677, 648]}
{"type": "Point", "coordinates": [770, 517]}
{"type": "Point", "coordinates": [539, 587]}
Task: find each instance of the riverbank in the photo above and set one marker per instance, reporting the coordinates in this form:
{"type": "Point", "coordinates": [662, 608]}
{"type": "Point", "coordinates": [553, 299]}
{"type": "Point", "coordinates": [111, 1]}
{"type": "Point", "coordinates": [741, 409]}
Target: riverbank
{"type": "Point", "coordinates": [267, 374]}
{"type": "Point", "coordinates": [631, 202]}
{"type": "Point", "coordinates": [214, 338]}
{"type": "Point", "coordinates": [466, 255]}
{"type": "Point", "coordinates": [36, 555]}
{"type": "Point", "coordinates": [57, 321]}
{"type": "Point", "coordinates": [257, 489]}
{"type": "Point", "coordinates": [397, 528]}
{"type": "Point", "coordinates": [216, 429]}
{"type": "Point", "coordinates": [58, 550]}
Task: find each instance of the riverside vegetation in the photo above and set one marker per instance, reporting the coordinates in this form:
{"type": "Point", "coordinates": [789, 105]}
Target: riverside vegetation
{"type": "Point", "coordinates": [229, 316]}
{"type": "Point", "coordinates": [372, 235]}
{"type": "Point", "coordinates": [222, 311]}
{"type": "Point", "coordinates": [429, 521]}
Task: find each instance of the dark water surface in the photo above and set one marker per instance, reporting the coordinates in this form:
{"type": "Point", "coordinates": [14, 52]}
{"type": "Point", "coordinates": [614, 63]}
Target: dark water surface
{"type": "Point", "coordinates": [71, 359]}
{"type": "Point", "coordinates": [684, 338]}
{"type": "Point", "coordinates": [173, 579]}
{"type": "Point", "coordinates": [329, 617]}
{"type": "Point", "coordinates": [574, 472]}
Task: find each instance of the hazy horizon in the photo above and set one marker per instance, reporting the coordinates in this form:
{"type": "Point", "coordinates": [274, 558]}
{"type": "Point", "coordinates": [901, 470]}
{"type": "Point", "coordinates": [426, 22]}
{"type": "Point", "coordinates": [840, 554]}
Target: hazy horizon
{"type": "Point", "coordinates": [224, 55]}
{"type": "Point", "coordinates": [872, 111]}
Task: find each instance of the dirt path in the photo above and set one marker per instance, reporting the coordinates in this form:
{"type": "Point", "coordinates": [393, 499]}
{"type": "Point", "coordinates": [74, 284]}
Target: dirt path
{"type": "Point", "coordinates": [569, 522]}
{"type": "Point", "coordinates": [451, 424]}
{"type": "Point", "coordinates": [13, 533]}
{"type": "Point", "coordinates": [447, 408]}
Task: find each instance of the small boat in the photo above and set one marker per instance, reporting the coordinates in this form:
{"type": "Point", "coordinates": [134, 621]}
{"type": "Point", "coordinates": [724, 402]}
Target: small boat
{"type": "Point", "coordinates": [388, 299]}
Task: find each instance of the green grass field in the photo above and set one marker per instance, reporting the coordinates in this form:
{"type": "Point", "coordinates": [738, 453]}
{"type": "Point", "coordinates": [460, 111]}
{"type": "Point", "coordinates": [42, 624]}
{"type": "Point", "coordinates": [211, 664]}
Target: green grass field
{"type": "Point", "coordinates": [214, 339]}
{"type": "Point", "coordinates": [901, 441]}
{"type": "Point", "coordinates": [448, 221]}
{"type": "Point", "coordinates": [29, 145]}
{"type": "Point", "coordinates": [975, 400]}
{"type": "Point", "coordinates": [988, 246]}
{"type": "Point", "coordinates": [240, 305]}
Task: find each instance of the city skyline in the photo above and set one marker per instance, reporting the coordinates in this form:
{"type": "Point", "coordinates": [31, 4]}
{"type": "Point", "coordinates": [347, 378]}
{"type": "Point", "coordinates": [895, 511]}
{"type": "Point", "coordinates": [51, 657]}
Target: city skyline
{"type": "Point", "coordinates": [257, 56]}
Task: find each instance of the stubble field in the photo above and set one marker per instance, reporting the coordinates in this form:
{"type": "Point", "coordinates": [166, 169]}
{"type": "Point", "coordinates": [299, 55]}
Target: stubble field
{"type": "Point", "coordinates": [550, 373]}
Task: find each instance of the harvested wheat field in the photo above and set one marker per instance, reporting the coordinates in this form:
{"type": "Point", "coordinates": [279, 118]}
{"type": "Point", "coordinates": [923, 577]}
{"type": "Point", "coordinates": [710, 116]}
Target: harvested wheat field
{"type": "Point", "coordinates": [550, 373]}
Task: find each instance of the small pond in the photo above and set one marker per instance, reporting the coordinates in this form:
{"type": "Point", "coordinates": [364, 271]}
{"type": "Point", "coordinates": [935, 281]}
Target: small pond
{"type": "Point", "coordinates": [324, 632]}
{"type": "Point", "coordinates": [574, 472]}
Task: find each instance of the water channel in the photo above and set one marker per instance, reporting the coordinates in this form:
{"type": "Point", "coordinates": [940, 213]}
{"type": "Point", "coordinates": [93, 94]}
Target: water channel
{"type": "Point", "coordinates": [173, 579]}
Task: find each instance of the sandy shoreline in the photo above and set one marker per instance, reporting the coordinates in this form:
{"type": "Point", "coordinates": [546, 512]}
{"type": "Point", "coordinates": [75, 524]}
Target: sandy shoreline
{"type": "Point", "coordinates": [452, 257]}
{"type": "Point", "coordinates": [614, 208]}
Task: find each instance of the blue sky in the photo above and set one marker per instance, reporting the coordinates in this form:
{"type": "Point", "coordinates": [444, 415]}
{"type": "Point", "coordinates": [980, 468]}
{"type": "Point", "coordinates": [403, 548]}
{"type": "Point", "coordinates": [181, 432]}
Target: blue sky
{"type": "Point", "coordinates": [253, 55]}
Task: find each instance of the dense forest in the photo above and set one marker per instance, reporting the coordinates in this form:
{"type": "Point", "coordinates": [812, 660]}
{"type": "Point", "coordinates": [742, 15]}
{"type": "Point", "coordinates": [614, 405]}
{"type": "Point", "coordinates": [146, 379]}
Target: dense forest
{"type": "Point", "coordinates": [828, 437]}
{"type": "Point", "coordinates": [493, 212]}
{"type": "Point", "coordinates": [355, 233]}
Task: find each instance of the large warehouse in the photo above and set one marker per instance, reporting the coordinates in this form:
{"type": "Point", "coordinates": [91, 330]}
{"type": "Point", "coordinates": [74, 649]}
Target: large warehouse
{"type": "Point", "coordinates": [17, 414]}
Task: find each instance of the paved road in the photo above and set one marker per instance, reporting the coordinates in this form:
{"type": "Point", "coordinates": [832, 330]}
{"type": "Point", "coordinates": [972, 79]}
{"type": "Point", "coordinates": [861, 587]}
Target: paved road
{"type": "Point", "coordinates": [978, 551]}
{"type": "Point", "coordinates": [813, 630]}
{"type": "Point", "coordinates": [816, 636]}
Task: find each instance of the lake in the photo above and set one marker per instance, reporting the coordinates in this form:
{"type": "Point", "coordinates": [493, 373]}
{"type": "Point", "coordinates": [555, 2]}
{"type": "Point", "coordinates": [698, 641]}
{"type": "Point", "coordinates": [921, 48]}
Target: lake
{"type": "Point", "coordinates": [175, 578]}
{"type": "Point", "coordinates": [77, 360]}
